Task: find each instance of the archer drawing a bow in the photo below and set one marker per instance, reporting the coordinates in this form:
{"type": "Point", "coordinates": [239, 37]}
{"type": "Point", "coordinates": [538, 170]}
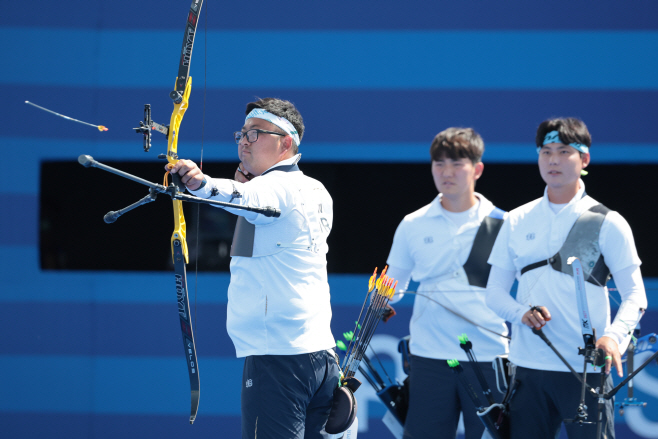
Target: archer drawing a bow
{"type": "Point", "coordinates": [180, 97]}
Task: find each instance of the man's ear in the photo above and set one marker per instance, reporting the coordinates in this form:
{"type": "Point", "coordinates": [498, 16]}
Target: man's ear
{"type": "Point", "coordinates": [479, 168]}
{"type": "Point", "coordinates": [585, 157]}
{"type": "Point", "coordinates": [286, 144]}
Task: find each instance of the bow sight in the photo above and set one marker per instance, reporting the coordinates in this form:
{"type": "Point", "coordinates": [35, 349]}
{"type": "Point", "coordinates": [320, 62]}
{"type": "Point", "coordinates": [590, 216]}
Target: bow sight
{"type": "Point", "coordinates": [147, 125]}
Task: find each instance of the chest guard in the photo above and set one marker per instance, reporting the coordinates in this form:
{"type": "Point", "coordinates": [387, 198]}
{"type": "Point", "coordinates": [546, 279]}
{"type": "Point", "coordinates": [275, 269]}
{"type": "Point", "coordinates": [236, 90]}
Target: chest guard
{"type": "Point", "coordinates": [476, 267]}
{"type": "Point", "coordinates": [582, 242]}
{"type": "Point", "coordinates": [250, 240]}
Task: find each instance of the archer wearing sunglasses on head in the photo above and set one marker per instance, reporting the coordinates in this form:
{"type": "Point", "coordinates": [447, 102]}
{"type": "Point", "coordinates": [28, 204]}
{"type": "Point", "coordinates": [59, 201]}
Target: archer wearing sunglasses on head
{"type": "Point", "coordinates": [534, 246]}
{"type": "Point", "coordinates": [278, 312]}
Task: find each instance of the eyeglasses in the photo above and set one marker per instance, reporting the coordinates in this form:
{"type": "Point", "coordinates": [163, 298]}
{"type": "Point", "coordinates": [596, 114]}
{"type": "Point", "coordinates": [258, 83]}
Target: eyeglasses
{"type": "Point", "coordinates": [252, 135]}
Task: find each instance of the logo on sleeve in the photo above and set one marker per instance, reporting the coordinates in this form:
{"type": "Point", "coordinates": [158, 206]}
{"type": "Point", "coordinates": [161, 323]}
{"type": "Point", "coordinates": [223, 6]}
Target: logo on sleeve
{"type": "Point", "coordinates": [428, 240]}
{"type": "Point", "coordinates": [248, 383]}
{"type": "Point", "coordinates": [530, 236]}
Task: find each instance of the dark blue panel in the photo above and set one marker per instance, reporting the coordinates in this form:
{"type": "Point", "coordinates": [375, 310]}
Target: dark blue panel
{"type": "Point", "coordinates": [406, 60]}
{"type": "Point", "coordinates": [129, 329]}
{"type": "Point", "coordinates": [19, 219]}
{"type": "Point", "coordinates": [365, 14]}
{"type": "Point", "coordinates": [84, 426]}
{"type": "Point", "coordinates": [136, 329]}
{"type": "Point", "coordinates": [112, 329]}
{"type": "Point", "coordinates": [341, 115]}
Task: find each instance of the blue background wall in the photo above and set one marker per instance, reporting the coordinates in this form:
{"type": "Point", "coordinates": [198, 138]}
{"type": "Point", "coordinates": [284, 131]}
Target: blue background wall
{"type": "Point", "coordinates": [97, 354]}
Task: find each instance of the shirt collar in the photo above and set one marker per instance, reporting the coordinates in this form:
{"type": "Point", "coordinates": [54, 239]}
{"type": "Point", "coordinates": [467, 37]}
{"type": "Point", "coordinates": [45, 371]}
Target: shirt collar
{"type": "Point", "coordinates": [291, 161]}
{"type": "Point", "coordinates": [436, 209]}
{"type": "Point", "coordinates": [579, 196]}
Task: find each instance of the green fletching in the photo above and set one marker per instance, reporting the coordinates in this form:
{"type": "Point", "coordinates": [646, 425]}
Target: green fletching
{"type": "Point", "coordinates": [341, 345]}
{"type": "Point", "coordinates": [348, 335]}
{"type": "Point", "coordinates": [463, 339]}
{"type": "Point", "coordinates": [358, 325]}
{"type": "Point", "coordinates": [453, 363]}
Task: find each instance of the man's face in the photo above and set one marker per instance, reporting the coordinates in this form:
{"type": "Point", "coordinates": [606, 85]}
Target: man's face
{"type": "Point", "coordinates": [267, 150]}
{"type": "Point", "coordinates": [456, 178]}
{"type": "Point", "coordinates": [560, 165]}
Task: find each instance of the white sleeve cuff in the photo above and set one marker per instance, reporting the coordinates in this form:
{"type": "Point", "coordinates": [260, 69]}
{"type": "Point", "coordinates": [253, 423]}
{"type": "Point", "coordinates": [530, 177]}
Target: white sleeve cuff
{"type": "Point", "coordinates": [221, 188]}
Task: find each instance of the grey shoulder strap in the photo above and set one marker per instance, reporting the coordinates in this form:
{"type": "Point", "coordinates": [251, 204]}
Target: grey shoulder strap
{"type": "Point", "coordinates": [476, 267]}
{"type": "Point", "coordinates": [243, 238]}
{"type": "Point", "coordinates": [582, 242]}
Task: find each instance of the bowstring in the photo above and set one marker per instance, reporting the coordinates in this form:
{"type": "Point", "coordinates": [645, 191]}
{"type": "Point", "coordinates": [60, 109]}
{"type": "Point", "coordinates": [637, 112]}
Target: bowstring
{"type": "Point", "coordinates": [466, 291]}
{"type": "Point", "coordinates": [530, 288]}
{"type": "Point", "coordinates": [579, 376]}
{"type": "Point", "coordinates": [203, 130]}
{"type": "Point", "coordinates": [619, 302]}
{"type": "Point", "coordinates": [455, 312]}
{"type": "Point", "coordinates": [610, 289]}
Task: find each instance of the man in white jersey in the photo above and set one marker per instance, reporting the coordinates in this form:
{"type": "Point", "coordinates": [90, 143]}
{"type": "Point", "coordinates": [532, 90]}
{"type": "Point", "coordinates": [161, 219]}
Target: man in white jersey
{"type": "Point", "coordinates": [533, 246]}
{"type": "Point", "coordinates": [279, 312]}
{"type": "Point", "coordinates": [436, 246]}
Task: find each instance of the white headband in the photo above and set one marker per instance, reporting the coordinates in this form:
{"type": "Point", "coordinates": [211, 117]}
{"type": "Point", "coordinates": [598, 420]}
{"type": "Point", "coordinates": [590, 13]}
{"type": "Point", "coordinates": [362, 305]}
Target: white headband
{"type": "Point", "coordinates": [281, 122]}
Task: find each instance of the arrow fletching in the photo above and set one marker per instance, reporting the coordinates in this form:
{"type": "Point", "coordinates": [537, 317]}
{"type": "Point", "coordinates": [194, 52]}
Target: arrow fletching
{"type": "Point", "coordinates": [366, 324]}
{"type": "Point", "coordinates": [371, 282]}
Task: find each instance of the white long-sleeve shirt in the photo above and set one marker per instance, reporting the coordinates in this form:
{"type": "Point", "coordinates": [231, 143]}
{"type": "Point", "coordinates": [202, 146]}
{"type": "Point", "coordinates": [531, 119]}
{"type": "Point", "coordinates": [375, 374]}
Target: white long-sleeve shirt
{"type": "Point", "coordinates": [278, 300]}
{"type": "Point", "coordinates": [429, 247]}
{"type": "Point", "coordinates": [534, 232]}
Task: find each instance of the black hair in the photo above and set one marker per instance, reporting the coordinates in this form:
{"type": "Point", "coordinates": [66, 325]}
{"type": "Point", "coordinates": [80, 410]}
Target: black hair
{"type": "Point", "coordinates": [457, 143]}
{"type": "Point", "coordinates": [281, 108]}
{"type": "Point", "coordinates": [571, 130]}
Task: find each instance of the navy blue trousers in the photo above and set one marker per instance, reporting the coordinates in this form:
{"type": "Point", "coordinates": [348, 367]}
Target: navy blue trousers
{"type": "Point", "coordinates": [436, 398]}
{"type": "Point", "coordinates": [544, 399]}
{"type": "Point", "coordinates": [288, 396]}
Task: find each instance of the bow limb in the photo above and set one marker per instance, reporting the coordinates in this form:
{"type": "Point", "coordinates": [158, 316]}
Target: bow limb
{"type": "Point", "coordinates": [179, 251]}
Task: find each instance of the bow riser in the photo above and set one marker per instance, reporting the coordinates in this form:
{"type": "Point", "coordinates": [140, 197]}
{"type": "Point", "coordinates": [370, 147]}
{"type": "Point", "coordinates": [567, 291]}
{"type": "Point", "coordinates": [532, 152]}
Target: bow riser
{"type": "Point", "coordinates": [174, 123]}
{"type": "Point", "coordinates": [172, 157]}
{"type": "Point", "coordinates": [180, 231]}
